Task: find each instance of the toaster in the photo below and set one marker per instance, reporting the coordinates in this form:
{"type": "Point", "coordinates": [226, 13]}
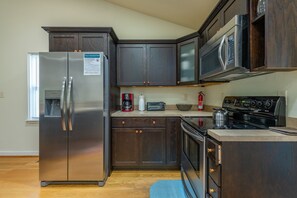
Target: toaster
{"type": "Point", "coordinates": [155, 106]}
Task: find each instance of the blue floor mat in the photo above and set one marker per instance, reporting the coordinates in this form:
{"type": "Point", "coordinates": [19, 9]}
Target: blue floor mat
{"type": "Point", "coordinates": [167, 189]}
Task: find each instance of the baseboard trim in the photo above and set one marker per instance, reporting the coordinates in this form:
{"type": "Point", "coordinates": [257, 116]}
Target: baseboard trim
{"type": "Point", "coordinates": [19, 153]}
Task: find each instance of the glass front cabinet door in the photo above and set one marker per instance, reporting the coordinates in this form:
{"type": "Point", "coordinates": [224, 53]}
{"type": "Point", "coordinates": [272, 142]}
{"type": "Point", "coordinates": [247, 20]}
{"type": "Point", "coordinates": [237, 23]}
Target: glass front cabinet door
{"type": "Point", "coordinates": [188, 62]}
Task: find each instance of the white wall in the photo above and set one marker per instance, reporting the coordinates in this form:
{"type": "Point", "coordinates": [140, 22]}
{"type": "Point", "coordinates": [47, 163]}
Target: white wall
{"type": "Point", "coordinates": [275, 84]}
{"type": "Point", "coordinates": [21, 32]}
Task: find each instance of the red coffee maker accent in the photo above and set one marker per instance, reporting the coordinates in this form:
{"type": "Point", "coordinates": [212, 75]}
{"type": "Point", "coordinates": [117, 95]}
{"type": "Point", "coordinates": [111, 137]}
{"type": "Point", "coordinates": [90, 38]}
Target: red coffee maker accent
{"type": "Point", "coordinates": [127, 102]}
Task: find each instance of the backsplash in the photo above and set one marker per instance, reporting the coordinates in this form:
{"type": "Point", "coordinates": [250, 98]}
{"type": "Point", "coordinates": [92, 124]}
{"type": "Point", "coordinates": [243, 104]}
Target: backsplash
{"type": "Point", "coordinates": [169, 95]}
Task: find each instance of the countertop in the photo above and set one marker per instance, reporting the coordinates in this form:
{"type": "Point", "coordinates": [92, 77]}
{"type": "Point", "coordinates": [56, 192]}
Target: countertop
{"type": "Point", "coordinates": [243, 135]}
{"type": "Point", "coordinates": [166, 113]}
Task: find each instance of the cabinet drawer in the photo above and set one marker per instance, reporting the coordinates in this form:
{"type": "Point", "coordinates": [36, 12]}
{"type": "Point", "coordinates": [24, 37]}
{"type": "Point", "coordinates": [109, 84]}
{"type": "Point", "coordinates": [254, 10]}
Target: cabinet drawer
{"type": "Point", "coordinates": [213, 190]}
{"type": "Point", "coordinates": [214, 171]}
{"type": "Point", "coordinates": [139, 122]}
{"type": "Point", "coordinates": [214, 151]}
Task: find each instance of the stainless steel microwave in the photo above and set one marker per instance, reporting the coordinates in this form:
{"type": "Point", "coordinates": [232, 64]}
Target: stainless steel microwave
{"type": "Point", "coordinates": [225, 56]}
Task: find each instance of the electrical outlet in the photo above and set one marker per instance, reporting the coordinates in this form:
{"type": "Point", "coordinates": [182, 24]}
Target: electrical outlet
{"type": "Point", "coordinates": [1, 94]}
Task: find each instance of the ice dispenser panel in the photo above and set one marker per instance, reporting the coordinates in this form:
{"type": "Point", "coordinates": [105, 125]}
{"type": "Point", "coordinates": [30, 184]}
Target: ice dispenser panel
{"type": "Point", "coordinates": [52, 103]}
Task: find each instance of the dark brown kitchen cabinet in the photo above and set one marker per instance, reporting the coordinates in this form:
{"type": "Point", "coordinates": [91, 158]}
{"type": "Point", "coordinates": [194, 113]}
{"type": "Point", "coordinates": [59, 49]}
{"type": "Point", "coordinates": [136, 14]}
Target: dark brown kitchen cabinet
{"type": "Point", "coordinates": [81, 39]}
{"type": "Point", "coordinates": [173, 141]}
{"type": "Point", "coordinates": [149, 133]}
{"type": "Point", "coordinates": [187, 62]}
{"type": "Point", "coordinates": [273, 33]}
{"type": "Point", "coordinates": [251, 169]}
{"type": "Point", "coordinates": [146, 64]}
{"type": "Point", "coordinates": [131, 64]}
{"type": "Point", "coordinates": [152, 142]}
{"type": "Point", "coordinates": [85, 42]}
{"type": "Point", "coordinates": [125, 147]}
{"type": "Point", "coordinates": [222, 14]}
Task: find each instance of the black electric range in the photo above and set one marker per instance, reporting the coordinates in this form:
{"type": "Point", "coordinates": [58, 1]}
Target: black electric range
{"type": "Point", "coordinates": [244, 113]}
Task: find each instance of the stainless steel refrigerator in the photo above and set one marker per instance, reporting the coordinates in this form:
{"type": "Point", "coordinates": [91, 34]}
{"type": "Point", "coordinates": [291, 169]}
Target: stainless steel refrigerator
{"type": "Point", "coordinates": [74, 122]}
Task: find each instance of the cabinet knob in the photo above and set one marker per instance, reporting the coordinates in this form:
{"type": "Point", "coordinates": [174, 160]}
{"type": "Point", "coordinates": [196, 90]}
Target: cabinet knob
{"type": "Point", "coordinates": [143, 82]}
{"type": "Point", "coordinates": [178, 82]}
{"type": "Point", "coordinates": [75, 50]}
{"type": "Point", "coordinates": [140, 131]}
{"type": "Point", "coordinates": [154, 122]}
{"type": "Point", "coordinates": [79, 50]}
{"type": "Point", "coordinates": [123, 122]}
{"type": "Point", "coordinates": [209, 150]}
{"type": "Point", "coordinates": [211, 170]}
{"type": "Point", "coordinates": [211, 190]}
{"type": "Point", "coordinates": [136, 131]}
{"type": "Point", "coordinates": [148, 82]}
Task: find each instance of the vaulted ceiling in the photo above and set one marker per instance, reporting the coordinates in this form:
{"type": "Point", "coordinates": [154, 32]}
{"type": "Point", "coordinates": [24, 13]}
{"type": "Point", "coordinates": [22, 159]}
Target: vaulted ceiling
{"type": "Point", "coordinates": [188, 13]}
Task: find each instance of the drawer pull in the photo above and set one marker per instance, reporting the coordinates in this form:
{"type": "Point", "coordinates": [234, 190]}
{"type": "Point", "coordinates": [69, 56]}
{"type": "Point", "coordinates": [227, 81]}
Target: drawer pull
{"type": "Point", "coordinates": [140, 131]}
{"type": "Point", "coordinates": [211, 190]}
{"type": "Point", "coordinates": [154, 122]}
{"type": "Point", "coordinates": [136, 131]}
{"type": "Point", "coordinates": [123, 122]}
{"type": "Point", "coordinates": [211, 170]}
{"type": "Point", "coordinates": [209, 150]}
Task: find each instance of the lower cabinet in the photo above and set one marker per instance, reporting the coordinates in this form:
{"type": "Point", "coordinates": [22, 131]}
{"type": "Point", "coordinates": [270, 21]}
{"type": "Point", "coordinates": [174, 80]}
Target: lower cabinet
{"type": "Point", "coordinates": [155, 144]}
{"type": "Point", "coordinates": [251, 169]}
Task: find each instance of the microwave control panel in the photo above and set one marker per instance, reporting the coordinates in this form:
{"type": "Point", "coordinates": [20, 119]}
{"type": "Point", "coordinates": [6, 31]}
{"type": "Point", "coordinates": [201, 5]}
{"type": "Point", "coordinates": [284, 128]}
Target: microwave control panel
{"type": "Point", "coordinates": [230, 50]}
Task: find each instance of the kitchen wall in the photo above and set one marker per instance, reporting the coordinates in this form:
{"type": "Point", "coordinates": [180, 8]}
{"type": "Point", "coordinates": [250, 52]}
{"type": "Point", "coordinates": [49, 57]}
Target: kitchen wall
{"type": "Point", "coordinates": [21, 32]}
{"type": "Point", "coordinates": [275, 84]}
{"type": "Point", "coordinates": [169, 95]}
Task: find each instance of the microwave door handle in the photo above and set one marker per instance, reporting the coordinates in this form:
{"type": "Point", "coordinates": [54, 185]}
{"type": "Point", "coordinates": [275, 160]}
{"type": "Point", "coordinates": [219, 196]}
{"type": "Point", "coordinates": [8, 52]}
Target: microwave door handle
{"type": "Point", "coordinates": [226, 53]}
{"type": "Point", "coordinates": [220, 52]}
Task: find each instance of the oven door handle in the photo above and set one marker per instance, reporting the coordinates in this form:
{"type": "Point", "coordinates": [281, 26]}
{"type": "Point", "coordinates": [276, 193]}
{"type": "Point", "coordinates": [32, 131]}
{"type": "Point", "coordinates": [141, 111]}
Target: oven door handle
{"type": "Point", "coordinates": [197, 137]}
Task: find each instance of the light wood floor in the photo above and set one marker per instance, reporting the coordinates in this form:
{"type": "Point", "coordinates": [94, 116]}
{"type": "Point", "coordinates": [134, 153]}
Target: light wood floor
{"type": "Point", "coordinates": [19, 179]}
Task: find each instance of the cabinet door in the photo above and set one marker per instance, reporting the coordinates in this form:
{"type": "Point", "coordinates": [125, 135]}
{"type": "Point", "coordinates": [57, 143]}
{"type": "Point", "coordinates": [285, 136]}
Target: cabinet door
{"type": "Point", "coordinates": [89, 42]}
{"type": "Point", "coordinates": [188, 62]}
{"type": "Point", "coordinates": [232, 8]}
{"type": "Point", "coordinates": [131, 64]}
{"type": "Point", "coordinates": [173, 141]}
{"type": "Point", "coordinates": [125, 146]}
{"type": "Point", "coordinates": [161, 64]}
{"type": "Point", "coordinates": [152, 147]}
{"type": "Point", "coordinates": [63, 42]}
{"type": "Point", "coordinates": [213, 27]}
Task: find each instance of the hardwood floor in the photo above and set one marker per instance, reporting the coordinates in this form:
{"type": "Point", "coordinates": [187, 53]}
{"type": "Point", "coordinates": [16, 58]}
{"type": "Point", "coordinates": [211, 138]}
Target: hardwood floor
{"type": "Point", "coordinates": [19, 179]}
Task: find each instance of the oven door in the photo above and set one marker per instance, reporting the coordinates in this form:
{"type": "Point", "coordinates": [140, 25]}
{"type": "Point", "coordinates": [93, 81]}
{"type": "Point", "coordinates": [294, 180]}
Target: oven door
{"type": "Point", "coordinates": [193, 161]}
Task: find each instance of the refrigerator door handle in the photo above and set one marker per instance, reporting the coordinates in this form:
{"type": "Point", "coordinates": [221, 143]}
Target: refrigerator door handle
{"type": "Point", "coordinates": [69, 108]}
{"type": "Point", "coordinates": [63, 122]}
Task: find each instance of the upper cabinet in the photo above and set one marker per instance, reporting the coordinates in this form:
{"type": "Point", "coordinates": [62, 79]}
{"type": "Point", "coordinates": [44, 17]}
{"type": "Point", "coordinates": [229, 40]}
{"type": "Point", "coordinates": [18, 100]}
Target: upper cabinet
{"type": "Point", "coordinates": [221, 15]}
{"type": "Point", "coordinates": [146, 64]}
{"type": "Point", "coordinates": [72, 39]}
{"type": "Point", "coordinates": [187, 62]}
{"type": "Point", "coordinates": [273, 35]}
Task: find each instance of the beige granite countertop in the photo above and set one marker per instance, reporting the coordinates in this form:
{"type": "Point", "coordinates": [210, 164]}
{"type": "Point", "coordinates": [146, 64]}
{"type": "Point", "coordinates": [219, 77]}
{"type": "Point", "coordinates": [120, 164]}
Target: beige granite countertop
{"type": "Point", "coordinates": [166, 113]}
{"type": "Point", "coordinates": [243, 135]}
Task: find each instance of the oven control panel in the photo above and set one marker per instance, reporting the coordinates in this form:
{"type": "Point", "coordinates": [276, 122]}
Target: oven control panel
{"type": "Point", "coordinates": [264, 104]}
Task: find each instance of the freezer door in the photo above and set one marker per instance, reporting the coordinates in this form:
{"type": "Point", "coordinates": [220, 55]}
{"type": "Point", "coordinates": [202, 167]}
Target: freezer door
{"type": "Point", "coordinates": [52, 128]}
{"type": "Point", "coordinates": [86, 123]}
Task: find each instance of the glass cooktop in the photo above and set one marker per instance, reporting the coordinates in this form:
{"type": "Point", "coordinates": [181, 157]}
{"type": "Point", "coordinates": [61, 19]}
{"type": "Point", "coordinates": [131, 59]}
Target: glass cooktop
{"type": "Point", "coordinates": [203, 123]}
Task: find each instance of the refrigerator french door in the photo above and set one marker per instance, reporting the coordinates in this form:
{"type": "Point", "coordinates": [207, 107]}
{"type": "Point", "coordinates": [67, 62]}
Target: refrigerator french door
{"type": "Point", "coordinates": [74, 117]}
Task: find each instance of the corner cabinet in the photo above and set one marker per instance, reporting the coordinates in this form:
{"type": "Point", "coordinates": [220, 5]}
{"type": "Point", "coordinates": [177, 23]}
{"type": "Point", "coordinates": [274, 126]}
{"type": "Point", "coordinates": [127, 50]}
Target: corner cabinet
{"type": "Point", "coordinates": [149, 142]}
{"type": "Point", "coordinates": [273, 33]}
{"type": "Point", "coordinates": [146, 64]}
{"type": "Point", "coordinates": [187, 62]}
